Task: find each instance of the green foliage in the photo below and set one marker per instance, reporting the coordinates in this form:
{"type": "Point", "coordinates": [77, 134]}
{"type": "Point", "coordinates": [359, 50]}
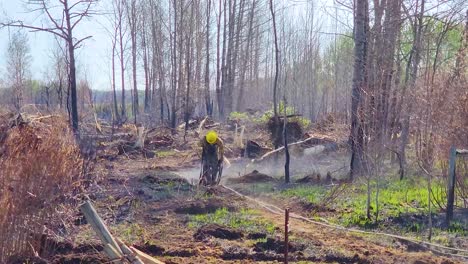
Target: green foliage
{"type": "Point", "coordinates": [35, 85]}
{"type": "Point", "coordinates": [396, 199]}
{"type": "Point", "coordinates": [289, 109]}
{"type": "Point", "coordinates": [449, 44]}
{"type": "Point", "coordinates": [130, 232]}
{"type": "Point", "coordinates": [165, 153]}
{"type": "Point", "coordinates": [238, 116]}
{"type": "Point", "coordinates": [246, 220]}
{"type": "Point", "coordinates": [304, 122]}
{"type": "Point", "coordinates": [458, 228]}
{"type": "Point", "coordinates": [451, 41]}
{"type": "Point", "coordinates": [264, 118]}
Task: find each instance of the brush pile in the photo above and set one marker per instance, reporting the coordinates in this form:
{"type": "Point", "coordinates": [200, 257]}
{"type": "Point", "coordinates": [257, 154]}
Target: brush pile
{"type": "Point", "coordinates": [41, 168]}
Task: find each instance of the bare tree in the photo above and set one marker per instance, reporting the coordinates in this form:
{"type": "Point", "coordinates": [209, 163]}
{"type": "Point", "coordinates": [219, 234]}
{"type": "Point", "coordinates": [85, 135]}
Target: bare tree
{"type": "Point", "coordinates": [63, 26]}
{"type": "Point", "coordinates": [208, 103]}
{"type": "Point", "coordinates": [410, 80]}
{"type": "Point", "coordinates": [119, 22]}
{"type": "Point", "coordinates": [60, 66]}
{"type": "Point", "coordinates": [132, 18]}
{"type": "Point", "coordinates": [117, 25]}
{"type": "Point", "coordinates": [18, 63]}
{"type": "Point", "coordinates": [275, 83]}
{"type": "Point", "coordinates": [246, 57]}
{"type": "Point", "coordinates": [218, 66]}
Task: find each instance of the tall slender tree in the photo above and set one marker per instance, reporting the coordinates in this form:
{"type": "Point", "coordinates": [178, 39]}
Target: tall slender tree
{"type": "Point", "coordinates": [356, 138]}
{"type": "Point", "coordinates": [19, 62]}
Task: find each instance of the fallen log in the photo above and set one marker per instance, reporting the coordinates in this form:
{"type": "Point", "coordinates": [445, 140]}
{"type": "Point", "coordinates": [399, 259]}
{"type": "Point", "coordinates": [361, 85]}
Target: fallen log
{"type": "Point", "coordinates": [212, 125]}
{"type": "Point", "coordinates": [281, 148]}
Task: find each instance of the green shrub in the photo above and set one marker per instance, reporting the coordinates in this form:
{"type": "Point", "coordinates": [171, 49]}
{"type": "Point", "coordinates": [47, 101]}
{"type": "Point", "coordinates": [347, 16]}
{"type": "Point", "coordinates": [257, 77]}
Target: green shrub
{"type": "Point", "coordinates": [304, 122]}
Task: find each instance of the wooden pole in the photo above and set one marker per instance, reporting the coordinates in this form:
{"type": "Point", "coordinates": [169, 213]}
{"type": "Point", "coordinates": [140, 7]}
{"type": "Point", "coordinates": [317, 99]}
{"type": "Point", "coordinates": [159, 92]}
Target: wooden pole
{"type": "Point", "coordinates": [285, 137]}
{"type": "Point", "coordinates": [147, 259]}
{"type": "Point", "coordinates": [286, 231]}
{"type": "Point", "coordinates": [98, 225]}
{"type": "Point", "coordinates": [132, 256]}
{"type": "Point", "coordinates": [113, 254]}
{"type": "Point", "coordinates": [451, 185]}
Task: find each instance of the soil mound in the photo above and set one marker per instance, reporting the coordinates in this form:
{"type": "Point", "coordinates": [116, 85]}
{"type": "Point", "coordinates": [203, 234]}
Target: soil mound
{"type": "Point", "coordinates": [314, 178]}
{"type": "Point", "coordinates": [277, 246]}
{"type": "Point", "coordinates": [218, 231]}
{"type": "Point", "coordinates": [163, 178]}
{"type": "Point", "coordinates": [151, 249]}
{"type": "Point", "coordinates": [256, 236]}
{"type": "Point", "coordinates": [293, 127]}
{"type": "Point", "coordinates": [203, 207]}
{"type": "Point", "coordinates": [253, 177]}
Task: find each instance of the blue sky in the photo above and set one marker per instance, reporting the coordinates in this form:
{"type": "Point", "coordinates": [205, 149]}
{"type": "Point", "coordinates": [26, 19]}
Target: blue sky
{"type": "Point", "coordinates": [93, 57]}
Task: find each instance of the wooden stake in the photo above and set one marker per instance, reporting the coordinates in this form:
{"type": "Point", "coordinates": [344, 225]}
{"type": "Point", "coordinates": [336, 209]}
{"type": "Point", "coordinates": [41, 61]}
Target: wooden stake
{"type": "Point", "coordinates": [286, 231]}
{"type": "Point", "coordinates": [132, 256]}
{"type": "Point", "coordinates": [98, 225]}
{"type": "Point", "coordinates": [113, 254]}
{"type": "Point", "coordinates": [451, 185]}
{"type": "Point", "coordinates": [147, 259]}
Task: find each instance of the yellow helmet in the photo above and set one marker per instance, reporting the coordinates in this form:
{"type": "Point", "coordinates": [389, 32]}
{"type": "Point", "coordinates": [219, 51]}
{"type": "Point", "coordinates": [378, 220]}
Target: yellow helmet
{"type": "Point", "coordinates": [211, 137]}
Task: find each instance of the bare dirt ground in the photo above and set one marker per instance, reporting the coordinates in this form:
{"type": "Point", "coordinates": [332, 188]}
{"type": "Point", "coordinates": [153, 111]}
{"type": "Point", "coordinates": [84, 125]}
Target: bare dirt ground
{"type": "Point", "coordinates": [149, 206]}
{"type": "Point", "coordinates": [149, 198]}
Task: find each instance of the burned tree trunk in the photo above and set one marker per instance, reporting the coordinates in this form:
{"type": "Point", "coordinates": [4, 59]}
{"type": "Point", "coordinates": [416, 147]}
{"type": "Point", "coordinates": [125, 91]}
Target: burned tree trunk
{"type": "Point", "coordinates": [356, 138]}
{"type": "Point", "coordinates": [275, 84]}
{"type": "Point", "coordinates": [208, 104]}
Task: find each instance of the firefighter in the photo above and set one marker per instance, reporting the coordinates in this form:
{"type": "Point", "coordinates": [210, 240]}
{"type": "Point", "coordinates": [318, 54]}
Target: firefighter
{"type": "Point", "coordinates": [212, 157]}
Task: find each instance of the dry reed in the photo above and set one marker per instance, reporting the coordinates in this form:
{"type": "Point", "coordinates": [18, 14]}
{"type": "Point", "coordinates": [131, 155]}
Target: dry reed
{"type": "Point", "coordinates": [40, 164]}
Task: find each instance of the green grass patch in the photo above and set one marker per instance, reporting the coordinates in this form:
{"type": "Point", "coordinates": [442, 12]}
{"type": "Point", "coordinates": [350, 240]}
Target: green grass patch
{"type": "Point", "coordinates": [246, 220]}
{"type": "Point", "coordinates": [396, 198]}
{"type": "Point", "coordinates": [458, 228]}
{"type": "Point", "coordinates": [311, 193]}
{"type": "Point", "coordinates": [130, 232]}
{"type": "Point", "coordinates": [165, 153]}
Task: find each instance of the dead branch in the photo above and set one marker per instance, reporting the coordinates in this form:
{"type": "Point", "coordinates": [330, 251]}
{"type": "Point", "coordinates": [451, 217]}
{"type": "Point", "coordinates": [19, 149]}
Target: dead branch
{"type": "Point", "coordinates": [281, 148]}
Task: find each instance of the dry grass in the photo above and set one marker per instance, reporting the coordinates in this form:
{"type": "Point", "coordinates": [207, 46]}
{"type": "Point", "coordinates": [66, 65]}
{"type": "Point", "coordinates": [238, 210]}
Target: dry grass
{"type": "Point", "coordinates": [40, 166]}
